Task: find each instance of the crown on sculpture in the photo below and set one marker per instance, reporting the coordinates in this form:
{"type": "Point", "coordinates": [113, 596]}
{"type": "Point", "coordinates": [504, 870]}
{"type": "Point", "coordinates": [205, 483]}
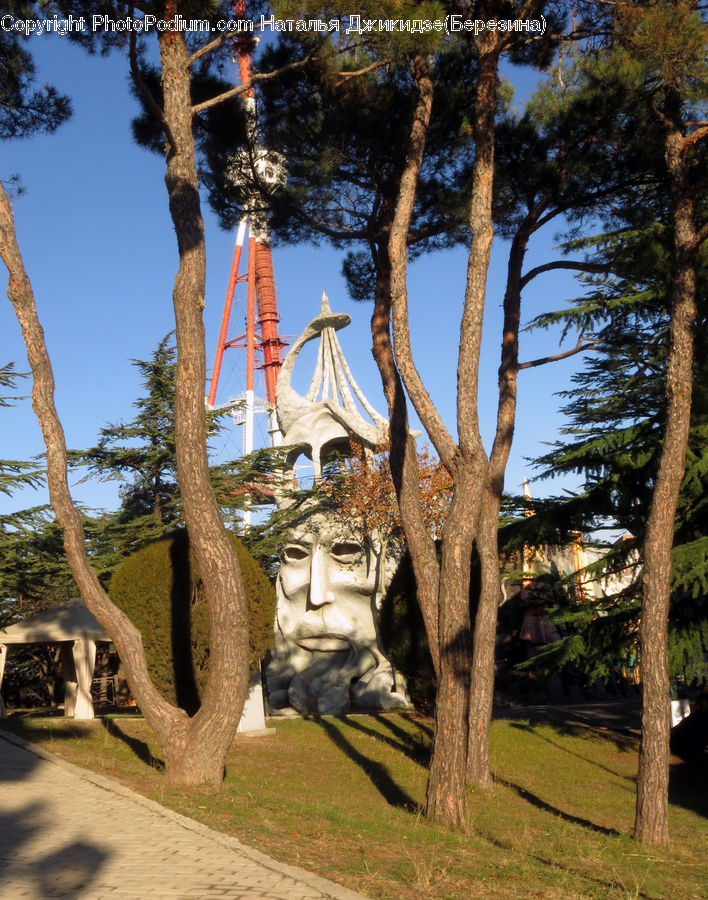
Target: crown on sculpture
{"type": "Point", "coordinates": [328, 416]}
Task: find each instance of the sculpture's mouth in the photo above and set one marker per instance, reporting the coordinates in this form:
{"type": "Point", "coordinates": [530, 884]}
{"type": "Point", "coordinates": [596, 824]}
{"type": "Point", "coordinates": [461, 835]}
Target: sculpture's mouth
{"type": "Point", "coordinates": [309, 638]}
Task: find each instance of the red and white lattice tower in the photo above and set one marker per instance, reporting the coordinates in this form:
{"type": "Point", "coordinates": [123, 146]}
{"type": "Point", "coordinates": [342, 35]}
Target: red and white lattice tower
{"type": "Point", "coordinates": [262, 307]}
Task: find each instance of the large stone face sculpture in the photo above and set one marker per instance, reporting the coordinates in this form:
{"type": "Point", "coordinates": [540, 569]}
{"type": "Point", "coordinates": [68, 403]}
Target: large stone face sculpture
{"type": "Point", "coordinates": [327, 655]}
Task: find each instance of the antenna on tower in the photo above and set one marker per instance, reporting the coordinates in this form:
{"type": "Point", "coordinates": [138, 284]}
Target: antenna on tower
{"type": "Point", "coordinates": [266, 172]}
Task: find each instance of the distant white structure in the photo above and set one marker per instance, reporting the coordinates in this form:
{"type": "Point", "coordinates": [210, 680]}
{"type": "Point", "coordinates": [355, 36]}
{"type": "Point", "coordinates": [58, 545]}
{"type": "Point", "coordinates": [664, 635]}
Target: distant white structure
{"type": "Point", "coordinates": [76, 631]}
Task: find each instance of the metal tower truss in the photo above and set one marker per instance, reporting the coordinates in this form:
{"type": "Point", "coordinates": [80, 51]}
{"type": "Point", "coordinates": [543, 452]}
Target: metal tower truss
{"type": "Point", "coordinates": [268, 170]}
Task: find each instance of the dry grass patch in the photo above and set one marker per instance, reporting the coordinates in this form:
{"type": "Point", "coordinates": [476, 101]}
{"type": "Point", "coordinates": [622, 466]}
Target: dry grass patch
{"type": "Point", "coordinates": [342, 797]}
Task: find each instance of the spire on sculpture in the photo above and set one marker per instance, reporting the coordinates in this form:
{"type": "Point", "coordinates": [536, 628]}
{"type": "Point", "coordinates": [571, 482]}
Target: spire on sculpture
{"type": "Point", "coordinates": [327, 416]}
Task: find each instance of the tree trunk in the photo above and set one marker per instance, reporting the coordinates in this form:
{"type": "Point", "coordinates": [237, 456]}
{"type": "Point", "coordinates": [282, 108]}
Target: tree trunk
{"type": "Point", "coordinates": [651, 821]}
{"type": "Point", "coordinates": [466, 462]}
{"type": "Point", "coordinates": [445, 800]}
{"type": "Point", "coordinates": [403, 460]}
{"type": "Point", "coordinates": [484, 643]}
{"type": "Point", "coordinates": [200, 747]}
{"type": "Point", "coordinates": [485, 626]}
{"type": "Point", "coordinates": [481, 685]}
{"type": "Point", "coordinates": [162, 717]}
{"type": "Point", "coordinates": [195, 748]}
{"type": "Point", "coordinates": [443, 592]}
{"type": "Point", "coordinates": [446, 607]}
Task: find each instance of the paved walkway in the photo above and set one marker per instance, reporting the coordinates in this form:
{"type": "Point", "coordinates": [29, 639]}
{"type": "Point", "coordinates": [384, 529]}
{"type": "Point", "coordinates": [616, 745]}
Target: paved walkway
{"type": "Point", "coordinates": [65, 832]}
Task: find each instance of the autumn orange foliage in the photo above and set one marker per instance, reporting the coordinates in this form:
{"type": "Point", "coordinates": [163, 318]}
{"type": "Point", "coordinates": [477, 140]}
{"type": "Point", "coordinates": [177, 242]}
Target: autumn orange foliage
{"type": "Point", "coordinates": [364, 494]}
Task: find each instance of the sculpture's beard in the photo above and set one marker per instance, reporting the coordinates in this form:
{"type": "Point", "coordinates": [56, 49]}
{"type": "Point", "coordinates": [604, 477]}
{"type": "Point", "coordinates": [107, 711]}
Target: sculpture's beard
{"type": "Point", "coordinates": [323, 686]}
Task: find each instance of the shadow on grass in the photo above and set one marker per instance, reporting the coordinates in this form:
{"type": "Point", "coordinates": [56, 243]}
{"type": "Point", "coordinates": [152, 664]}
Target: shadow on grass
{"type": "Point", "coordinates": [376, 772]}
{"type": "Point", "coordinates": [536, 801]}
{"type": "Point", "coordinates": [42, 731]}
{"type": "Point", "coordinates": [622, 743]}
{"type": "Point", "coordinates": [421, 741]}
{"type": "Point", "coordinates": [577, 731]}
{"type": "Point", "coordinates": [688, 786]}
{"type": "Point", "coordinates": [634, 890]}
{"type": "Point", "coordinates": [36, 713]}
{"type": "Point", "coordinates": [420, 723]}
{"type": "Point", "coordinates": [403, 742]}
{"type": "Point", "coordinates": [593, 881]}
{"type": "Point", "coordinates": [139, 748]}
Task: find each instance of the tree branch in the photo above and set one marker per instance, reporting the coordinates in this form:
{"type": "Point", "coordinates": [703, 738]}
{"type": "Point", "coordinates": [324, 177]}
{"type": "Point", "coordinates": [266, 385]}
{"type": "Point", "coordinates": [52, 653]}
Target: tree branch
{"type": "Point", "coordinates": [242, 88]}
{"type": "Point", "coordinates": [398, 255]}
{"type": "Point", "coordinates": [207, 48]}
{"type": "Point", "coordinates": [150, 101]}
{"type": "Point", "coordinates": [345, 76]}
{"type": "Point", "coordinates": [583, 344]}
{"type": "Point", "coordinates": [700, 236]}
{"type": "Point", "coordinates": [576, 265]}
{"type": "Point", "coordinates": [481, 238]}
{"type": "Point", "coordinates": [694, 138]}
{"type": "Point", "coordinates": [125, 636]}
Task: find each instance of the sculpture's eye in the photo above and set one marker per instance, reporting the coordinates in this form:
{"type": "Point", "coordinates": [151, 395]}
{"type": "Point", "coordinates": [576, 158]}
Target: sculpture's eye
{"type": "Point", "coordinates": [346, 551]}
{"type": "Point", "coordinates": [292, 553]}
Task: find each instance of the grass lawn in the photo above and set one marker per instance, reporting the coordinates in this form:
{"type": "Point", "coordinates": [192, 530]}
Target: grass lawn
{"type": "Point", "coordinates": [341, 797]}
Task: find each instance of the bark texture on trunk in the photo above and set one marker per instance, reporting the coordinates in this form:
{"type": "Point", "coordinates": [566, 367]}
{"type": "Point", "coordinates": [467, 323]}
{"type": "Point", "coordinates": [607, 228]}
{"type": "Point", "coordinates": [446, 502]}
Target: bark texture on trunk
{"type": "Point", "coordinates": [445, 799]}
{"type": "Point", "coordinates": [482, 235]}
{"type": "Point", "coordinates": [485, 625]}
{"type": "Point", "coordinates": [200, 746]}
{"type": "Point", "coordinates": [467, 462]}
{"type": "Point", "coordinates": [481, 495]}
{"type": "Point", "coordinates": [443, 589]}
{"type": "Point", "coordinates": [195, 748]}
{"type": "Point", "coordinates": [403, 459]}
{"type": "Point", "coordinates": [162, 717]}
{"type": "Point", "coordinates": [651, 820]}
{"type": "Point", "coordinates": [481, 698]}
{"type": "Point", "coordinates": [398, 257]}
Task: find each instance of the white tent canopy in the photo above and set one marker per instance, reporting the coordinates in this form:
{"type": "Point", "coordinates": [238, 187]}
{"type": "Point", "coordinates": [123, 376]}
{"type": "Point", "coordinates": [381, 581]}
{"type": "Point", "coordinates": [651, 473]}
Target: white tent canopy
{"type": "Point", "coordinates": [75, 629]}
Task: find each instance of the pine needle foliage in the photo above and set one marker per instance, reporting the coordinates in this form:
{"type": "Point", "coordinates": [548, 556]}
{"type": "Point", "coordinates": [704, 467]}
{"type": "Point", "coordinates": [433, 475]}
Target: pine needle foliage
{"type": "Point", "coordinates": [24, 108]}
{"type": "Point", "coordinates": [616, 409]}
{"type": "Point", "coordinates": [15, 473]}
{"type": "Point", "coordinates": [141, 453]}
{"type": "Point", "coordinates": [344, 141]}
{"type": "Point", "coordinates": [34, 573]}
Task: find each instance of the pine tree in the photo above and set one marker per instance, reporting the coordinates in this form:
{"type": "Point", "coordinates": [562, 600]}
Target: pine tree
{"type": "Point", "coordinates": [656, 61]}
{"type": "Point", "coordinates": [616, 410]}
{"type": "Point", "coordinates": [195, 747]}
{"type": "Point", "coordinates": [141, 453]}
{"type": "Point", "coordinates": [387, 190]}
{"type": "Point", "coordinates": [344, 141]}
{"type": "Point", "coordinates": [34, 573]}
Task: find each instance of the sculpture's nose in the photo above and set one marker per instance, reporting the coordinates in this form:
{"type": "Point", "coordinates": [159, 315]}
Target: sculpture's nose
{"type": "Point", "coordinates": [320, 593]}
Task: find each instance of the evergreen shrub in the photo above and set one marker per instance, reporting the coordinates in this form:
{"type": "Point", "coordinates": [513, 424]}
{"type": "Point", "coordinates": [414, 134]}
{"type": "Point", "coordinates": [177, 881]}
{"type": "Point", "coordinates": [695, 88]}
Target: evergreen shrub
{"type": "Point", "coordinates": [159, 588]}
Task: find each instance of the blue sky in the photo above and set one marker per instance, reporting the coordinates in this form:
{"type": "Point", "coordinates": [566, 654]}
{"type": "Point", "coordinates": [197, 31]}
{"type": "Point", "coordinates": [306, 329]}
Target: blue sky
{"type": "Point", "coordinates": [100, 251]}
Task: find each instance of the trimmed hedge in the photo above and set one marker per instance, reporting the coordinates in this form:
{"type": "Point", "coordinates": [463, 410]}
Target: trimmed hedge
{"type": "Point", "coordinates": [159, 588]}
